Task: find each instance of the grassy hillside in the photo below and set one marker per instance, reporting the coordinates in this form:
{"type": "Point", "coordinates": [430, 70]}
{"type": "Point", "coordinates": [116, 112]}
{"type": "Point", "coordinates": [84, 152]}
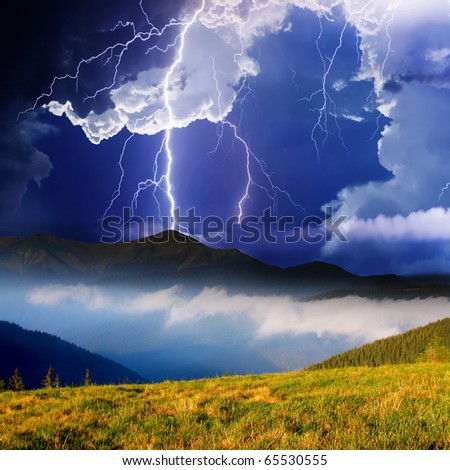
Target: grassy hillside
{"type": "Point", "coordinates": [392, 407]}
{"type": "Point", "coordinates": [400, 349]}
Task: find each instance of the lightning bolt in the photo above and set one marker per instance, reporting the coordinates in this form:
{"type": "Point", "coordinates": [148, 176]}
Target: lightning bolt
{"type": "Point", "coordinates": [116, 50]}
{"type": "Point", "coordinates": [444, 189]}
{"type": "Point", "coordinates": [380, 81]}
{"type": "Point", "coordinates": [144, 12]}
{"type": "Point", "coordinates": [257, 175]}
{"type": "Point", "coordinates": [220, 126]}
{"type": "Point", "coordinates": [271, 190]}
{"type": "Point", "coordinates": [163, 180]}
{"type": "Point", "coordinates": [118, 191]}
{"type": "Point", "coordinates": [321, 132]}
{"type": "Point", "coordinates": [155, 182]}
{"type": "Point", "coordinates": [293, 80]}
{"type": "Point", "coordinates": [168, 139]}
{"type": "Point", "coordinates": [328, 105]}
{"type": "Point", "coordinates": [106, 55]}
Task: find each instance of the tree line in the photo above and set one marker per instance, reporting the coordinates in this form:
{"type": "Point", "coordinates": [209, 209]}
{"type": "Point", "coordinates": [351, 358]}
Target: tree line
{"type": "Point", "coordinates": [430, 343]}
{"type": "Point", "coordinates": [50, 380]}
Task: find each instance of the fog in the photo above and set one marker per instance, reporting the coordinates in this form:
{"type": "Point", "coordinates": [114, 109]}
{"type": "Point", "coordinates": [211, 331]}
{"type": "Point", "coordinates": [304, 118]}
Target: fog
{"type": "Point", "coordinates": [182, 333]}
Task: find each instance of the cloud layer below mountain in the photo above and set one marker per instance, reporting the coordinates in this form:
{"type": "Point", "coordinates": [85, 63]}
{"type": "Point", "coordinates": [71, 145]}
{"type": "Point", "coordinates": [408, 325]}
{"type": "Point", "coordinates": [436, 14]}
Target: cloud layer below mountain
{"type": "Point", "coordinates": [353, 318]}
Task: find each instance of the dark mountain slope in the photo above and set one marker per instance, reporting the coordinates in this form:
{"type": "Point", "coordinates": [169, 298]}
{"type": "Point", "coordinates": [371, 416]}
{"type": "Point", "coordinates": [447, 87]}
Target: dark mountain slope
{"type": "Point", "coordinates": [33, 352]}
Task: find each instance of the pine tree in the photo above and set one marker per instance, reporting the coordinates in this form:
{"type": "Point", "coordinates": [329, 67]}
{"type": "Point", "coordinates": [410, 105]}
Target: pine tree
{"type": "Point", "coordinates": [87, 379]}
{"type": "Point", "coordinates": [2, 384]}
{"type": "Point", "coordinates": [15, 383]}
{"type": "Point", "coordinates": [47, 381]}
{"type": "Point", "coordinates": [56, 381]}
{"type": "Point", "coordinates": [435, 352]}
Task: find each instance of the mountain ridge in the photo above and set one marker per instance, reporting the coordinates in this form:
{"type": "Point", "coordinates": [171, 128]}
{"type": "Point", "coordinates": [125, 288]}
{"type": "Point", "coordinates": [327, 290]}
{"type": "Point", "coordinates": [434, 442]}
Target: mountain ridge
{"type": "Point", "coordinates": [171, 258]}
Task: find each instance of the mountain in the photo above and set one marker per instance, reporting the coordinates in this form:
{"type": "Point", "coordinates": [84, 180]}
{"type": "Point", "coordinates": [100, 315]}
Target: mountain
{"type": "Point", "coordinates": [61, 257]}
{"type": "Point", "coordinates": [33, 352]}
{"type": "Point", "coordinates": [166, 259]}
{"type": "Point", "coordinates": [400, 349]}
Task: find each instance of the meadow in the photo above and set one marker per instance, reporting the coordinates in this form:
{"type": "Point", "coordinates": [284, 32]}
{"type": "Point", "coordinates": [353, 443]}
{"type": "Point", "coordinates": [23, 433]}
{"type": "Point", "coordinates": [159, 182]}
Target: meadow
{"type": "Point", "coordinates": [388, 407]}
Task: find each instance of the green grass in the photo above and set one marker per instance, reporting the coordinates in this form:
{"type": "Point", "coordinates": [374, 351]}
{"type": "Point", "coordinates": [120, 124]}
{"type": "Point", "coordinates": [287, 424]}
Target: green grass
{"type": "Point", "coordinates": [390, 407]}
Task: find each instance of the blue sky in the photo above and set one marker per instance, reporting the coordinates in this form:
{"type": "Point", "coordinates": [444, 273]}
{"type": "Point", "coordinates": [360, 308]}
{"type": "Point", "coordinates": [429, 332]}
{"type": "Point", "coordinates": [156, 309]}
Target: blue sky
{"type": "Point", "coordinates": [290, 105]}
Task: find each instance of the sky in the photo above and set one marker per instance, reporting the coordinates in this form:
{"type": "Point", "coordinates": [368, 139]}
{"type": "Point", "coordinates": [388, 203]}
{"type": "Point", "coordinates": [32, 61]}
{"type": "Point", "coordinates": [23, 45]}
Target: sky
{"type": "Point", "coordinates": [117, 116]}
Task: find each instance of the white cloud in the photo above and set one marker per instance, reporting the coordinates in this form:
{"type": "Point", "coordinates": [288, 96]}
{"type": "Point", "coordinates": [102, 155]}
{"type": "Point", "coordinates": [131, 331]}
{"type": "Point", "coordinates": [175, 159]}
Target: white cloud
{"type": "Point", "coordinates": [96, 127]}
{"type": "Point", "coordinates": [94, 298]}
{"type": "Point", "coordinates": [220, 39]}
{"type": "Point", "coordinates": [352, 317]}
{"type": "Point", "coordinates": [353, 117]}
{"type": "Point", "coordinates": [339, 85]}
{"type": "Point", "coordinates": [161, 300]}
{"type": "Point", "coordinates": [438, 55]}
{"type": "Point", "coordinates": [204, 83]}
{"type": "Point", "coordinates": [414, 149]}
{"type": "Point", "coordinates": [430, 225]}
{"type": "Point", "coordinates": [56, 294]}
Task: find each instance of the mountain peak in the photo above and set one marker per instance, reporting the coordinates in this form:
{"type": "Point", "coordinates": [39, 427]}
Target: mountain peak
{"type": "Point", "coordinates": [168, 236]}
{"type": "Point", "coordinates": [41, 236]}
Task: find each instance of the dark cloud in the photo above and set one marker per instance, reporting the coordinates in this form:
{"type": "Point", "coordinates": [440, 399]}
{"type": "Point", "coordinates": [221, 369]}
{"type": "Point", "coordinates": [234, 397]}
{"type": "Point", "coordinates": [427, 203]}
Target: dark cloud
{"type": "Point", "coordinates": [50, 38]}
{"type": "Point", "coordinates": [392, 86]}
{"type": "Point", "coordinates": [439, 80]}
{"type": "Point", "coordinates": [20, 162]}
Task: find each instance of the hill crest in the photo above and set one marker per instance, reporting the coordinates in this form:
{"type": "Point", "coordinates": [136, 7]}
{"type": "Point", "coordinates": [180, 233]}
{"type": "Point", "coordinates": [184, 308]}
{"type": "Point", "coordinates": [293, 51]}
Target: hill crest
{"type": "Point", "coordinates": [404, 348]}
